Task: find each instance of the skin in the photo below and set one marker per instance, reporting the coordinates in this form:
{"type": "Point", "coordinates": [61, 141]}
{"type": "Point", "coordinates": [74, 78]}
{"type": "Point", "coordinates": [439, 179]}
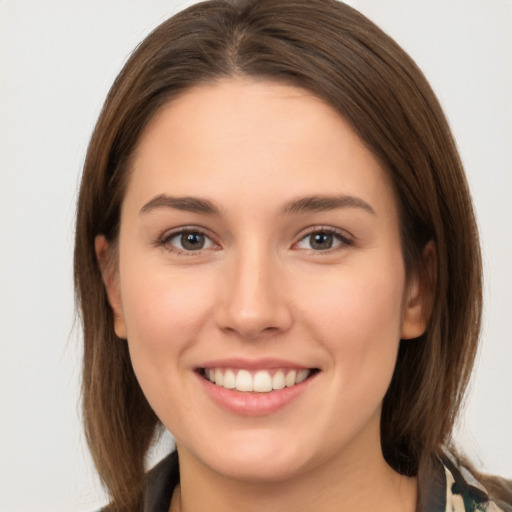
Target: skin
{"type": "Point", "coordinates": [259, 289]}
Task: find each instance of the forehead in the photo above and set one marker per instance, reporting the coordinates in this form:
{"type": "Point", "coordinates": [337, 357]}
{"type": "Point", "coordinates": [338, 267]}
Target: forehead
{"type": "Point", "coordinates": [238, 137]}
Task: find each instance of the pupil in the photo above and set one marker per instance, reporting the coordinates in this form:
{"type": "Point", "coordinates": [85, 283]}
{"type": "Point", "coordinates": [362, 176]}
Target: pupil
{"type": "Point", "coordinates": [192, 241]}
{"type": "Point", "coordinates": [321, 241]}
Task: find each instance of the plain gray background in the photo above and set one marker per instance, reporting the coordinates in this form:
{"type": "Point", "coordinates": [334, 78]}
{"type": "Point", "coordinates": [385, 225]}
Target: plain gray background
{"type": "Point", "coordinates": [57, 61]}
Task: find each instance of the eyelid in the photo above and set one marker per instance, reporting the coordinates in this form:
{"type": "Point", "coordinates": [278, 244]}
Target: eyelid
{"type": "Point", "coordinates": [346, 238]}
{"type": "Point", "coordinates": [164, 240]}
{"type": "Point", "coordinates": [343, 236]}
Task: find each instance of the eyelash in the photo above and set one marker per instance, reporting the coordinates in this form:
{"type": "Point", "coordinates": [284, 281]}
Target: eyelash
{"type": "Point", "coordinates": [165, 241]}
{"type": "Point", "coordinates": [341, 236]}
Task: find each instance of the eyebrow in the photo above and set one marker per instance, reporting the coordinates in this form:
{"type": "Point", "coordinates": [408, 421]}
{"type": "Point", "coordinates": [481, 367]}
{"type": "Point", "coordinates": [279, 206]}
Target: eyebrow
{"type": "Point", "coordinates": [325, 203]}
{"type": "Point", "coordinates": [187, 204]}
{"type": "Point", "coordinates": [309, 204]}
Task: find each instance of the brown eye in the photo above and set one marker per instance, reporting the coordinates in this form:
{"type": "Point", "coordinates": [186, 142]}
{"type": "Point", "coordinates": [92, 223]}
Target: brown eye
{"type": "Point", "coordinates": [188, 241]}
{"type": "Point", "coordinates": [192, 241]}
{"type": "Point", "coordinates": [323, 240]}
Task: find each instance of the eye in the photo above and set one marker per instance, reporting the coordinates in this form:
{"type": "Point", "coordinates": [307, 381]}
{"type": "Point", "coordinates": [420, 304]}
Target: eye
{"type": "Point", "coordinates": [188, 241]}
{"type": "Point", "coordinates": [322, 240]}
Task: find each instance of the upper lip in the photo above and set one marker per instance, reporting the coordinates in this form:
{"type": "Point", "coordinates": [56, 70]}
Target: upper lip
{"type": "Point", "coordinates": [253, 364]}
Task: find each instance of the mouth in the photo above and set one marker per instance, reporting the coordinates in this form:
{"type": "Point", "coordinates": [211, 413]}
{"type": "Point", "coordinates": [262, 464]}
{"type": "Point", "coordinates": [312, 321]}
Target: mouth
{"type": "Point", "coordinates": [258, 381]}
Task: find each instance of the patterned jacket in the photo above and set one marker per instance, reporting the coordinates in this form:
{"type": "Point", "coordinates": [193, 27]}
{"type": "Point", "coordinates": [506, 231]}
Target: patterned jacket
{"type": "Point", "coordinates": [464, 493]}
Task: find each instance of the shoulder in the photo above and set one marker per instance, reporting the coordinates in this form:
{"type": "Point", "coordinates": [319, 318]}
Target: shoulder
{"type": "Point", "coordinates": [466, 493]}
{"type": "Point", "coordinates": [159, 485]}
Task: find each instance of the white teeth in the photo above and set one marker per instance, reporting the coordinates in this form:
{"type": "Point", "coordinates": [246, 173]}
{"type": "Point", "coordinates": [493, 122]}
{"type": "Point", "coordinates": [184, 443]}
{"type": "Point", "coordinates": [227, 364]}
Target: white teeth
{"type": "Point", "coordinates": [261, 382]}
{"type": "Point", "coordinates": [302, 375]}
{"type": "Point", "coordinates": [243, 381]}
{"type": "Point", "coordinates": [229, 381]}
{"type": "Point", "coordinates": [278, 380]}
{"type": "Point", "coordinates": [290, 378]}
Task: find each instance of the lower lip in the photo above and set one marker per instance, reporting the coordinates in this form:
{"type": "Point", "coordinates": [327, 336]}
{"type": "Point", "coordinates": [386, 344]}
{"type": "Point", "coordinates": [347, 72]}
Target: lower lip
{"type": "Point", "coordinates": [253, 403]}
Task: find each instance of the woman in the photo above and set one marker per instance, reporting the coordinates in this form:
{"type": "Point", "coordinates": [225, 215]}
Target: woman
{"type": "Point", "coordinates": [276, 258]}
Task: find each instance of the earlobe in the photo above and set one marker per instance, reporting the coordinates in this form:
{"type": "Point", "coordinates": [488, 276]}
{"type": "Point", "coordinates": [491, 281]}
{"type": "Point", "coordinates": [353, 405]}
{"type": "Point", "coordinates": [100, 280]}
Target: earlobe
{"type": "Point", "coordinates": [419, 299]}
{"type": "Point", "coordinates": [110, 278]}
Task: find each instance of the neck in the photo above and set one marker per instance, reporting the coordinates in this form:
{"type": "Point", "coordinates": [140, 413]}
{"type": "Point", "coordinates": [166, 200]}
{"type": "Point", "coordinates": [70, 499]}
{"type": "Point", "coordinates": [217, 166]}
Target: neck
{"type": "Point", "coordinates": [359, 483]}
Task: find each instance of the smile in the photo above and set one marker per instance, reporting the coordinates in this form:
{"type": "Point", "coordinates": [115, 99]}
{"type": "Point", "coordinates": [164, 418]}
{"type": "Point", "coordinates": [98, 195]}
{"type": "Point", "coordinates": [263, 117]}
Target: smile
{"type": "Point", "coordinates": [259, 381]}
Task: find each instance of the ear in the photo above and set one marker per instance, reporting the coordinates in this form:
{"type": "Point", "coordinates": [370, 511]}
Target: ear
{"type": "Point", "coordinates": [110, 276]}
{"type": "Point", "coordinates": [419, 297]}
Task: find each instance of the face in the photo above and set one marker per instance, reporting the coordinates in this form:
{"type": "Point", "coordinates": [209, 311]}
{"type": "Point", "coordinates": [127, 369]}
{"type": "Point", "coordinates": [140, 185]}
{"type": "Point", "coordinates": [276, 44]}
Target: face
{"type": "Point", "coordinates": [260, 283]}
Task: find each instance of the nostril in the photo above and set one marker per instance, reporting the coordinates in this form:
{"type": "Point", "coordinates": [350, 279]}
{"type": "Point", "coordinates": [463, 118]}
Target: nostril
{"type": "Point", "coordinates": [250, 305]}
{"type": "Point", "coordinates": [252, 332]}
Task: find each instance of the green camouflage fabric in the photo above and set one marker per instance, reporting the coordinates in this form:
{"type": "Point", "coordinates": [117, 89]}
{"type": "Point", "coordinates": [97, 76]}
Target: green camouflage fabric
{"type": "Point", "coordinates": [466, 494]}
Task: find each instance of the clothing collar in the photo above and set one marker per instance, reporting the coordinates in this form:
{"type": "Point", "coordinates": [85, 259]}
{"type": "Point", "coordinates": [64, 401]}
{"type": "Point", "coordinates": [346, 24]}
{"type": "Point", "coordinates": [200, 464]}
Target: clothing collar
{"type": "Point", "coordinates": [450, 488]}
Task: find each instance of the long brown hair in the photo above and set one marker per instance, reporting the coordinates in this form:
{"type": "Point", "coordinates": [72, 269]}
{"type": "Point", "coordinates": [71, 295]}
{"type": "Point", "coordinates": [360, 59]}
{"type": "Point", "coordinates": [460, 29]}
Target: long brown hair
{"type": "Point", "coordinates": [339, 55]}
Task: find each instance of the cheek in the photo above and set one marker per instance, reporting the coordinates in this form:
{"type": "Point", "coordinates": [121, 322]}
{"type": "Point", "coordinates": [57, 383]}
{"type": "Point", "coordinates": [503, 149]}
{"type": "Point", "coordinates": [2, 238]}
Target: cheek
{"type": "Point", "coordinates": [358, 317]}
{"type": "Point", "coordinates": [164, 313]}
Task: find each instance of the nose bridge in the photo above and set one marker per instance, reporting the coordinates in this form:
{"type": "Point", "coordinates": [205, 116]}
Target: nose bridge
{"type": "Point", "coordinates": [253, 300]}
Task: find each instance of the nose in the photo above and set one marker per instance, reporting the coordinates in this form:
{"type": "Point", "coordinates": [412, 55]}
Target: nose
{"type": "Point", "coordinates": [253, 300]}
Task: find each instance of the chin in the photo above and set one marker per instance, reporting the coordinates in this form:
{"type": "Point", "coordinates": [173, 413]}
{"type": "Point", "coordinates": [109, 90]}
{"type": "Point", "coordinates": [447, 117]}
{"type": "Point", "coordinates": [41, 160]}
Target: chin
{"type": "Point", "coordinates": [259, 471]}
{"type": "Point", "coordinates": [257, 461]}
